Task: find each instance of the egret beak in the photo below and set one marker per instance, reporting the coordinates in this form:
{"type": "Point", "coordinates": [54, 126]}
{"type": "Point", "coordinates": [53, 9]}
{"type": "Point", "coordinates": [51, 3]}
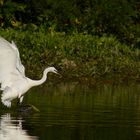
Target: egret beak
{"type": "Point", "coordinates": [56, 72]}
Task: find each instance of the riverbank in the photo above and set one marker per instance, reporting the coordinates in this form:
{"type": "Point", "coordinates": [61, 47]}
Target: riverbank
{"type": "Point", "coordinates": [80, 56]}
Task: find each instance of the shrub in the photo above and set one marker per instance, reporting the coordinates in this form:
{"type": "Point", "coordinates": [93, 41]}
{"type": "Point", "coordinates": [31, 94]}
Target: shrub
{"type": "Point", "coordinates": [76, 55]}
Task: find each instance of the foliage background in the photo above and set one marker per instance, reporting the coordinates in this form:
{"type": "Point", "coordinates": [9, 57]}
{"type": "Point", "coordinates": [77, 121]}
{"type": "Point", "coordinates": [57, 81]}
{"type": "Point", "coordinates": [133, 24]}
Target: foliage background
{"type": "Point", "coordinates": [121, 18]}
{"type": "Point", "coordinates": [87, 37]}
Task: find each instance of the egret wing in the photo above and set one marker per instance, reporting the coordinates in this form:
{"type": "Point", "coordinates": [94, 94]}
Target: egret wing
{"type": "Point", "coordinates": [11, 50]}
{"type": "Point", "coordinates": [7, 57]}
{"type": "Point", "coordinates": [19, 65]}
{"type": "Point", "coordinates": [8, 63]}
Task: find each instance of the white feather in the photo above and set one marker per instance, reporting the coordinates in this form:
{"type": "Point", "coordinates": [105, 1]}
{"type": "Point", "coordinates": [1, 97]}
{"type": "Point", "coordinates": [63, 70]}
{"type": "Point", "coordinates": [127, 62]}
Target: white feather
{"type": "Point", "coordinates": [13, 81]}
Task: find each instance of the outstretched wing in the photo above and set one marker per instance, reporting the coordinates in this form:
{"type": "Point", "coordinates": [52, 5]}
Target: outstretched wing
{"type": "Point", "coordinates": [19, 65]}
{"type": "Point", "coordinates": [10, 63]}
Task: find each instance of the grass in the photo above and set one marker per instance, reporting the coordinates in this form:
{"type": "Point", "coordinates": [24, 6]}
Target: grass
{"type": "Point", "coordinates": [79, 56]}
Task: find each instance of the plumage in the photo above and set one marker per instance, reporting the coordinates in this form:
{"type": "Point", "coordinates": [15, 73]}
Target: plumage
{"type": "Point", "coordinates": [14, 83]}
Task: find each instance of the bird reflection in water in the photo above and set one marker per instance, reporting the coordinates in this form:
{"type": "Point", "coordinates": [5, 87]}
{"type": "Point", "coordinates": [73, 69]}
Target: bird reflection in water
{"type": "Point", "coordinates": [11, 129]}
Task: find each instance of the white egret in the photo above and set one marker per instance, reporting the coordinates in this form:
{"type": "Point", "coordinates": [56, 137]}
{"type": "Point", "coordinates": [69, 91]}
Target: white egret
{"type": "Point", "coordinates": [14, 83]}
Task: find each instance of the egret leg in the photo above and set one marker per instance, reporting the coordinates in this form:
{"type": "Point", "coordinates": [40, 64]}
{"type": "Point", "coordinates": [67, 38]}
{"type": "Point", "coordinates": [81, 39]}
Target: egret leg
{"type": "Point", "coordinates": [21, 99]}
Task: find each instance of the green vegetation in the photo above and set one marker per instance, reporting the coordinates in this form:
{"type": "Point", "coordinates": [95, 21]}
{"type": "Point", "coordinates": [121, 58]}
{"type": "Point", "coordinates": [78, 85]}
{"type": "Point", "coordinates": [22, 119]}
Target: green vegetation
{"type": "Point", "coordinates": [77, 55]}
{"type": "Point", "coordinates": [90, 39]}
{"type": "Point", "coordinates": [96, 17]}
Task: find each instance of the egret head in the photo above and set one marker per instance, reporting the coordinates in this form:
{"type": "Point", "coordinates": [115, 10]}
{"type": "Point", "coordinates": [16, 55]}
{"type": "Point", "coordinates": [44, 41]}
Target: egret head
{"type": "Point", "coordinates": [54, 70]}
{"type": "Point", "coordinates": [51, 69]}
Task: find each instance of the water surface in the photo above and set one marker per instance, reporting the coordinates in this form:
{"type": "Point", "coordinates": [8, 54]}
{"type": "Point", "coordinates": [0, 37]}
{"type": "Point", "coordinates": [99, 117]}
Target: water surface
{"type": "Point", "coordinates": [73, 111]}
